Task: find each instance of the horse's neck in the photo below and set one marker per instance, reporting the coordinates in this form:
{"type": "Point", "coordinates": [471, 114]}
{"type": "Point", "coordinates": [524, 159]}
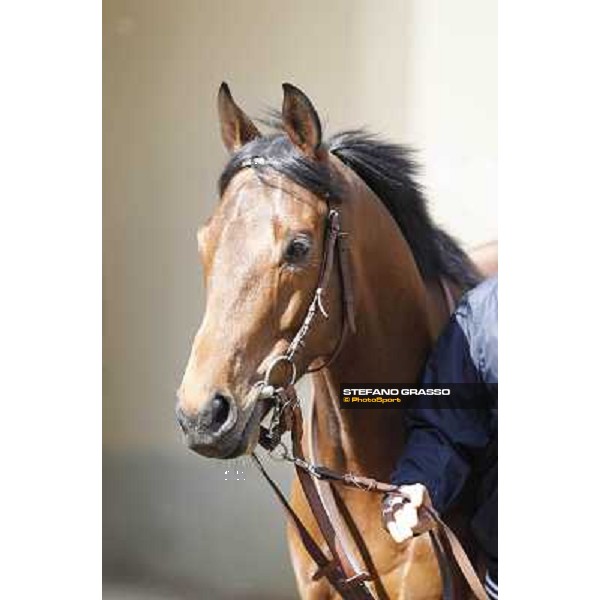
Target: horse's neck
{"type": "Point", "coordinates": [390, 346]}
{"type": "Point", "coordinates": [397, 317]}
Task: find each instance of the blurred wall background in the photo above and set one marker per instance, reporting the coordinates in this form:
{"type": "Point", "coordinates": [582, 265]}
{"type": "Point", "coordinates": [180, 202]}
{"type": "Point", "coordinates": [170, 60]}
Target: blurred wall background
{"type": "Point", "coordinates": [421, 72]}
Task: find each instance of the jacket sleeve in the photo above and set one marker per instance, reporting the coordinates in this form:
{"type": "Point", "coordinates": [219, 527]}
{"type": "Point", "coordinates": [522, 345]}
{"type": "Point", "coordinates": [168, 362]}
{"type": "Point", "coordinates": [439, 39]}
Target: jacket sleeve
{"type": "Point", "coordinates": [444, 436]}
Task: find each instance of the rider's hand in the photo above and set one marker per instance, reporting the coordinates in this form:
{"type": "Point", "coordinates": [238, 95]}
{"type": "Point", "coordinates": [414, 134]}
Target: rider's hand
{"type": "Point", "coordinates": [404, 517]}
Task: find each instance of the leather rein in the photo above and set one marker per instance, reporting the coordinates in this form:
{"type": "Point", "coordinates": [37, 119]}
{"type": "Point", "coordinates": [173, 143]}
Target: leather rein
{"type": "Point", "coordinates": [340, 566]}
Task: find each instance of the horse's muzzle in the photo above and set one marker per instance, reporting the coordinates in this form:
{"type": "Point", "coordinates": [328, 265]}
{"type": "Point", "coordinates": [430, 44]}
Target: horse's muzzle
{"type": "Point", "coordinates": [206, 431]}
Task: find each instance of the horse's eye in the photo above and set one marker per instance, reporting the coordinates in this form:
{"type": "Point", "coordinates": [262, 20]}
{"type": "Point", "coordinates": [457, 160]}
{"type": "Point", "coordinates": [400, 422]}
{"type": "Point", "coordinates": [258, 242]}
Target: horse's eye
{"type": "Point", "coordinates": [297, 250]}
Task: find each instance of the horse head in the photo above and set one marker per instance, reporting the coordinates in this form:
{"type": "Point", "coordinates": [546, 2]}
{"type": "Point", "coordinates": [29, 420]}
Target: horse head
{"type": "Point", "coordinates": [261, 253]}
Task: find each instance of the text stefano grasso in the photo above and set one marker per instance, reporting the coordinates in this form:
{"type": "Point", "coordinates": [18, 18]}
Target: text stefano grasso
{"type": "Point", "coordinates": [412, 391]}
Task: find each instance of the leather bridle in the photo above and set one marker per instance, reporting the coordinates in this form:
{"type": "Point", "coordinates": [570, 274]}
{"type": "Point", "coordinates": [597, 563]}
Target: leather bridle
{"type": "Point", "coordinates": [336, 244]}
{"type": "Point", "coordinates": [341, 567]}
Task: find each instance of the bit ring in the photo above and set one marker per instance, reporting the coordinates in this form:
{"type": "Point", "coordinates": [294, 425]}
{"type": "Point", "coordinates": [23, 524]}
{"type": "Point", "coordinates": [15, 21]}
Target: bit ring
{"type": "Point", "coordinates": [274, 363]}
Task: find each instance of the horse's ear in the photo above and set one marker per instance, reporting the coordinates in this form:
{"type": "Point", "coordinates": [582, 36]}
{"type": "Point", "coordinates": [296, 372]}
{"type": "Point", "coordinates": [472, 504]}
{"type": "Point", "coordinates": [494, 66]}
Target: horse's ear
{"type": "Point", "coordinates": [236, 128]}
{"type": "Point", "coordinates": [300, 120]}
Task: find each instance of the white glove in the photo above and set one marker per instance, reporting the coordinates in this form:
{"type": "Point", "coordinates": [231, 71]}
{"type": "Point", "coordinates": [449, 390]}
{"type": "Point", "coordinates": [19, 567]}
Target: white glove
{"type": "Point", "coordinates": [402, 517]}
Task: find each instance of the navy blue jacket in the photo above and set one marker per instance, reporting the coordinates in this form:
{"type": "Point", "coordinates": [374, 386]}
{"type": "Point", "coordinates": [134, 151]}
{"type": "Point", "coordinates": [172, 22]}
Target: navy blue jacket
{"type": "Point", "coordinates": [453, 442]}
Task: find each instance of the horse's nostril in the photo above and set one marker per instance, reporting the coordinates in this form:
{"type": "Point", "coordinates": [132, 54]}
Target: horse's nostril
{"type": "Point", "coordinates": [214, 419]}
{"type": "Point", "coordinates": [220, 411]}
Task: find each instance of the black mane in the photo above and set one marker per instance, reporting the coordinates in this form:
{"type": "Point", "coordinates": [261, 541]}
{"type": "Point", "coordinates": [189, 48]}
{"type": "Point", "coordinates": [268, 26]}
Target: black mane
{"type": "Point", "coordinates": [388, 169]}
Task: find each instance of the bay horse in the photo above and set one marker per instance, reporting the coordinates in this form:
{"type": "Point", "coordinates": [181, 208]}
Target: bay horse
{"type": "Point", "coordinates": [261, 252]}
